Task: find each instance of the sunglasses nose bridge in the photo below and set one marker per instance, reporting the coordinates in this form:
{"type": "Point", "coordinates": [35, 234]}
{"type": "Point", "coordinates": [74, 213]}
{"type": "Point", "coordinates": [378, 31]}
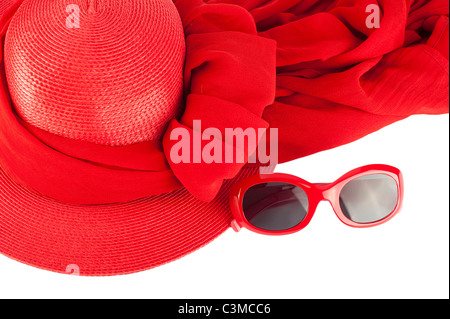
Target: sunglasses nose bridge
{"type": "Point", "coordinates": [326, 191]}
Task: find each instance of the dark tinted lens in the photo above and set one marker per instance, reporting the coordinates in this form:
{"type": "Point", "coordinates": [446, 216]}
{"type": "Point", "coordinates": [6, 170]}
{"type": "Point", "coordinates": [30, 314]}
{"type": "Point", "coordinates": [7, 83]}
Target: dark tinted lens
{"type": "Point", "coordinates": [275, 206]}
{"type": "Point", "coordinates": [369, 199]}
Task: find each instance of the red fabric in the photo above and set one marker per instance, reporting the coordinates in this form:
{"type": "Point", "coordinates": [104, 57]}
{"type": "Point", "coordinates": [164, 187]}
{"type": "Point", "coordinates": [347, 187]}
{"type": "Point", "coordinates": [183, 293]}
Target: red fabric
{"type": "Point", "coordinates": [338, 81]}
{"type": "Point", "coordinates": [230, 79]}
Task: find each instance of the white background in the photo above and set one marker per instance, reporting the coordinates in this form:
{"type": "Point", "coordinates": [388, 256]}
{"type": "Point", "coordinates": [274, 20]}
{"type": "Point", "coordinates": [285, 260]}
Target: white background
{"type": "Point", "coordinates": [405, 258]}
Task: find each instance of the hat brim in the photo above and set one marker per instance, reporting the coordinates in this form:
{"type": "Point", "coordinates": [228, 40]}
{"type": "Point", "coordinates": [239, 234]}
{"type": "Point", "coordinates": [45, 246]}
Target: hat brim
{"type": "Point", "coordinates": [106, 240]}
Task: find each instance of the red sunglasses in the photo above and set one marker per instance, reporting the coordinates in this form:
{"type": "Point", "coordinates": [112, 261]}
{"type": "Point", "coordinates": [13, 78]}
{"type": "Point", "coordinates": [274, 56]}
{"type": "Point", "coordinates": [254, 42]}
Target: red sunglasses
{"type": "Point", "coordinates": [280, 204]}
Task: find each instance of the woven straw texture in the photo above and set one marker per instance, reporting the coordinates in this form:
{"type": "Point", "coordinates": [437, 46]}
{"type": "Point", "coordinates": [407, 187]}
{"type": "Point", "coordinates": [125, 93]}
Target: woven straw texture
{"type": "Point", "coordinates": [5, 4]}
{"type": "Point", "coordinates": [110, 239]}
{"type": "Point", "coordinates": [116, 80]}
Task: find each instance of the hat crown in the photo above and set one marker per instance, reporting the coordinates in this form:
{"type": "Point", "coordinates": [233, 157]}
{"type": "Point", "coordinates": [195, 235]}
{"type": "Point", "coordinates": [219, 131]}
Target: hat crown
{"type": "Point", "coordinates": [108, 72]}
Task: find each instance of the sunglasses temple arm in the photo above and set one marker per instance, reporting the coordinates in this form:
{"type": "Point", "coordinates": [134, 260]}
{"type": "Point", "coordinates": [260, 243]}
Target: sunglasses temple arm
{"type": "Point", "coordinates": [235, 226]}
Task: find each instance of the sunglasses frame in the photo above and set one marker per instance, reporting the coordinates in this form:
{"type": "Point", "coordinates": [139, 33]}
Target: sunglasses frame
{"type": "Point", "coordinates": [316, 192]}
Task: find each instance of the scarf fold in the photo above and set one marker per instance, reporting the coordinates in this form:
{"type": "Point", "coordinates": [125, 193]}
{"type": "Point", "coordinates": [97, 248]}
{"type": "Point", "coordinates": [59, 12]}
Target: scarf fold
{"type": "Point", "coordinates": [230, 80]}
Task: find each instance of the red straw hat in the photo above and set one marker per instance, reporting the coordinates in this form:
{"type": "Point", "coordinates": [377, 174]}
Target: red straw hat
{"type": "Point", "coordinates": [91, 90]}
{"type": "Point", "coordinates": [84, 176]}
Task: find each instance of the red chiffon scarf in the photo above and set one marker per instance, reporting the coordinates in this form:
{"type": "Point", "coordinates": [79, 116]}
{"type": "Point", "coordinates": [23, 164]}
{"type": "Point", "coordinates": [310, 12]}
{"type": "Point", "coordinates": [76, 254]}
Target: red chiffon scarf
{"type": "Point", "coordinates": [338, 80]}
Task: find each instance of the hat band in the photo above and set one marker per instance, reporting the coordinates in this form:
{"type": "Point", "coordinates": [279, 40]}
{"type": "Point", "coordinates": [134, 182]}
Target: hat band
{"type": "Point", "coordinates": [76, 172]}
